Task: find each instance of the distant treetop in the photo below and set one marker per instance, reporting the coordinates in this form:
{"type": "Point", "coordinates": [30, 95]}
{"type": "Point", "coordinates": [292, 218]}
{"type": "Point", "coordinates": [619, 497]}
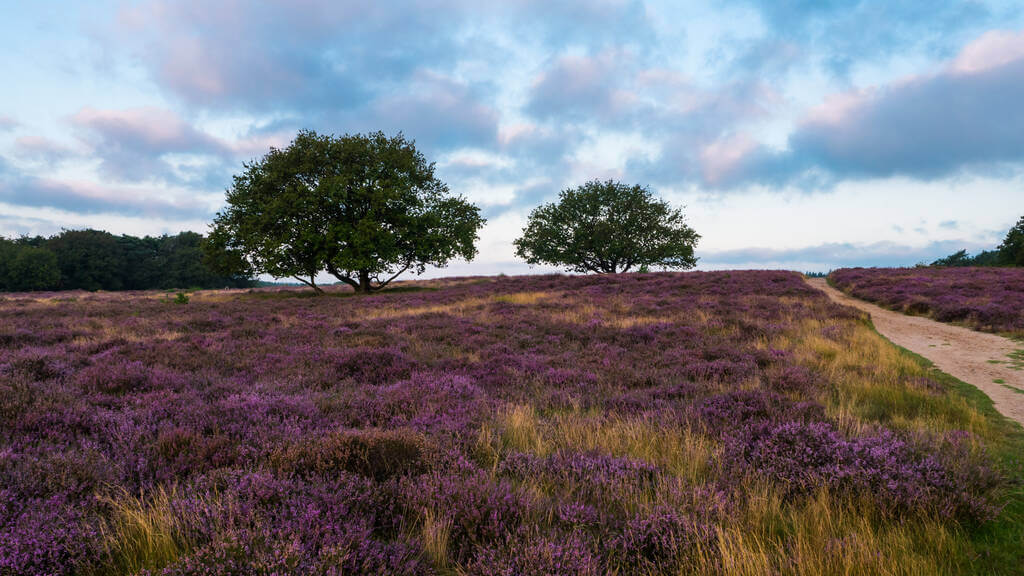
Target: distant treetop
{"type": "Point", "coordinates": [608, 227]}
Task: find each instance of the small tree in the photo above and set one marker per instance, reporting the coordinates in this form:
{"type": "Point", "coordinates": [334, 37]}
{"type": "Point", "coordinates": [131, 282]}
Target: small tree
{"type": "Point", "coordinates": [608, 227]}
{"type": "Point", "coordinates": [960, 258]}
{"type": "Point", "coordinates": [1011, 251]}
{"type": "Point", "coordinates": [364, 208]}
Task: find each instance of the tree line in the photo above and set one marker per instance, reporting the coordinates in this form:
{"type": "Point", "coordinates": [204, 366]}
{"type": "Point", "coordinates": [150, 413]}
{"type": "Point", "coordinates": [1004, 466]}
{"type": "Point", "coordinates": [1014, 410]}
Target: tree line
{"type": "Point", "coordinates": [1009, 253]}
{"type": "Point", "coordinates": [96, 260]}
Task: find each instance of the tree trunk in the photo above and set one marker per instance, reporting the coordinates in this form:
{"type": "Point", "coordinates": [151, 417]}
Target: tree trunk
{"type": "Point", "coordinates": [364, 282]}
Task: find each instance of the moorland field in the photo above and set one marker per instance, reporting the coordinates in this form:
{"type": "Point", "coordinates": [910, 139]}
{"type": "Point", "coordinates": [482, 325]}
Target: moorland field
{"type": "Point", "coordinates": [983, 298]}
{"type": "Point", "coordinates": [702, 422]}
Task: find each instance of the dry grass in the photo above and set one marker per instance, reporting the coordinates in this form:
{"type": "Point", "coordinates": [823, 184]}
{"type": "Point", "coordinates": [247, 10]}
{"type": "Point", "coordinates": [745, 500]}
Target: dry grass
{"type": "Point", "coordinates": [685, 453]}
{"type": "Point", "coordinates": [434, 535]}
{"type": "Point", "coordinates": [873, 381]}
{"type": "Point", "coordinates": [827, 536]}
{"type": "Point", "coordinates": [144, 534]}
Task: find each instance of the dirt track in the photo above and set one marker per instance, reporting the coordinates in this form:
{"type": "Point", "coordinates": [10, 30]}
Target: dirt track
{"type": "Point", "coordinates": [974, 357]}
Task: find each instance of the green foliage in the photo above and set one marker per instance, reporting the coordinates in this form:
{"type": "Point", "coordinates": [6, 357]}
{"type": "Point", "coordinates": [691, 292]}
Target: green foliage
{"type": "Point", "coordinates": [181, 298]}
{"type": "Point", "coordinates": [364, 208]}
{"type": "Point", "coordinates": [1011, 251]}
{"type": "Point", "coordinates": [88, 259]}
{"type": "Point", "coordinates": [608, 227]}
{"type": "Point", "coordinates": [24, 266]}
{"type": "Point", "coordinates": [34, 269]}
{"type": "Point", "coordinates": [987, 258]}
{"type": "Point", "coordinates": [95, 260]}
{"type": "Point", "coordinates": [960, 258]}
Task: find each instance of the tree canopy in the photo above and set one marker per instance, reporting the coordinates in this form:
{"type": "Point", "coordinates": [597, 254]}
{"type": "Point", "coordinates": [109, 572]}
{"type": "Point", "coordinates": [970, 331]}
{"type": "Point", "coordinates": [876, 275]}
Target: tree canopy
{"type": "Point", "coordinates": [608, 227]}
{"type": "Point", "coordinates": [364, 208]}
{"type": "Point", "coordinates": [97, 260]}
{"type": "Point", "coordinates": [1011, 251]}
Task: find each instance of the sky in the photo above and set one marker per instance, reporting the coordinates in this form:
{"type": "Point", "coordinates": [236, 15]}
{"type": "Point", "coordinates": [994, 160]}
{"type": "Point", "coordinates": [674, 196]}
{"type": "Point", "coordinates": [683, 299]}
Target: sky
{"type": "Point", "coordinates": [795, 134]}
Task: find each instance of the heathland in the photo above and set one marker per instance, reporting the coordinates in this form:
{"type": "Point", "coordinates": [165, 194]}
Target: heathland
{"type": "Point", "coordinates": [986, 299]}
{"type": "Point", "coordinates": [715, 423]}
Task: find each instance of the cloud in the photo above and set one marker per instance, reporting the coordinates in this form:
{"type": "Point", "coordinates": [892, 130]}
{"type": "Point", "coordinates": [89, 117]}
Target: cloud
{"type": "Point", "coordinates": [341, 53]}
{"type": "Point", "coordinates": [596, 24]}
{"type": "Point", "coordinates": [13, 226]}
{"type": "Point", "coordinates": [437, 111]}
{"type": "Point", "coordinates": [228, 55]}
{"type": "Point", "coordinates": [84, 197]}
{"type": "Point", "coordinates": [43, 150]}
{"type": "Point", "coordinates": [844, 33]}
{"type": "Point", "coordinates": [925, 127]}
{"type": "Point", "coordinates": [834, 255]}
{"type": "Point", "coordinates": [88, 198]}
{"type": "Point", "coordinates": [964, 117]}
{"type": "Point", "coordinates": [993, 49]}
{"type": "Point", "coordinates": [584, 87]}
{"type": "Point", "coordinates": [7, 123]}
{"type": "Point", "coordinates": [135, 144]}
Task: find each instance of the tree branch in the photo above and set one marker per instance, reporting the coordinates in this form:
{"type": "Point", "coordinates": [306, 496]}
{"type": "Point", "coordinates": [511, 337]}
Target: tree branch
{"type": "Point", "coordinates": [311, 283]}
{"type": "Point", "coordinates": [388, 281]}
{"type": "Point", "coordinates": [341, 277]}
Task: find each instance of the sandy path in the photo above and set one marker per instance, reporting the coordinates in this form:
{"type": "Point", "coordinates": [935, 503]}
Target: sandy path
{"type": "Point", "coordinates": [960, 352]}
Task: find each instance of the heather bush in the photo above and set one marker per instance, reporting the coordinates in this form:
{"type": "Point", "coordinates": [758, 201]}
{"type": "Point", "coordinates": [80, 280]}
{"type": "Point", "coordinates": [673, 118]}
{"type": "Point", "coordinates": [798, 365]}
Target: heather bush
{"type": "Point", "coordinates": [660, 540]}
{"type": "Point", "coordinates": [44, 536]}
{"type": "Point", "coordinates": [377, 454]}
{"type": "Point", "coordinates": [115, 377]}
{"type": "Point", "coordinates": [373, 365]}
{"type": "Point", "coordinates": [483, 511]}
{"type": "Point", "coordinates": [898, 476]}
{"type": "Point", "coordinates": [559, 555]}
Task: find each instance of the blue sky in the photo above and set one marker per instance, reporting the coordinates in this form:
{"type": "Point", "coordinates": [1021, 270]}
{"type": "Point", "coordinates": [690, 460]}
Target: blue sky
{"type": "Point", "coordinates": [803, 135]}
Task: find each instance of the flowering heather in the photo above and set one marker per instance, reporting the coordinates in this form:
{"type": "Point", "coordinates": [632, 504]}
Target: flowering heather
{"type": "Point", "coordinates": [634, 424]}
{"type": "Point", "coordinates": [987, 299]}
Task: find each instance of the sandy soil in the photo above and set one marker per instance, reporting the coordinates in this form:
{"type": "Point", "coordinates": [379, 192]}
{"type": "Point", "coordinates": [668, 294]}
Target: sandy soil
{"type": "Point", "coordinates": [978, 358]}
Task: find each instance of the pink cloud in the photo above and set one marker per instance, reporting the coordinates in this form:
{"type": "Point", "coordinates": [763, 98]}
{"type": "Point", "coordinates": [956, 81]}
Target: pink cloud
{"type": "Point", "coordinates": [721, 159]}
{"type": "Point", "coordinates": [42, 149]}
{"type": "Point", "coordinates": [154, 129]}
{"type": "Point", "coordinates": [991, 50]}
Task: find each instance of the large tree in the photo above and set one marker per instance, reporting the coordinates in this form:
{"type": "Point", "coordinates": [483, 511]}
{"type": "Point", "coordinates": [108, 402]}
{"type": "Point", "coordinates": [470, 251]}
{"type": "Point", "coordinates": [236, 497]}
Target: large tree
{"type": "Point", "coordinates": [608, 227]}
{"type": "Point", "coordinates": [364, 208]}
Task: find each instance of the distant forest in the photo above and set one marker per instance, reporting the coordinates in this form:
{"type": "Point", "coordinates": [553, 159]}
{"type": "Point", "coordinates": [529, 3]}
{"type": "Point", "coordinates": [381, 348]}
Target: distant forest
{"type": "Point", "coordinates": [1009, 253]}
{"type": "Point", "coordinates": [96, 260]}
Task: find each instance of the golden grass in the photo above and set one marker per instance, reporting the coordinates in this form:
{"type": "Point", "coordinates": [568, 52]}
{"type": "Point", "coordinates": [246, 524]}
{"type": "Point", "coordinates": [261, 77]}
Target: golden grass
{"type": "Point", "coordinates": [144, 534]}
{"type": "Point", "coordinates": [465, 307]}
{"type": "Point", "coordinates": [434, 536]}
{"type": "Point", "coordinates": [685, 453]}
{"type": "Point", "coordinates": [873, 381]}
{"type": "Point", "coordinates": [826, 536]}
